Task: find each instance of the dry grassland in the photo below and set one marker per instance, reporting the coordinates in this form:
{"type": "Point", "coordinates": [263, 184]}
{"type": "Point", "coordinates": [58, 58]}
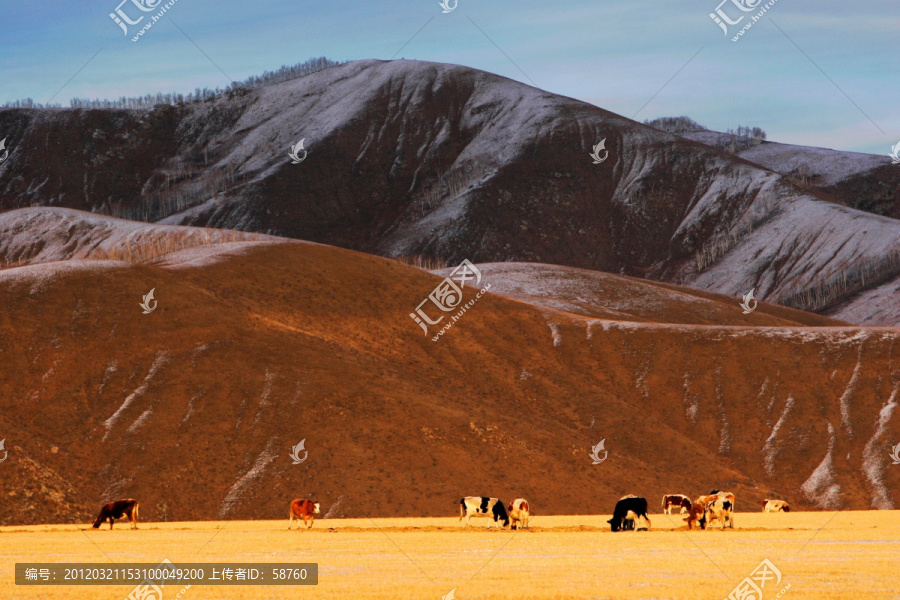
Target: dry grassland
{"type": "Point", "coordinates": [822, 555]}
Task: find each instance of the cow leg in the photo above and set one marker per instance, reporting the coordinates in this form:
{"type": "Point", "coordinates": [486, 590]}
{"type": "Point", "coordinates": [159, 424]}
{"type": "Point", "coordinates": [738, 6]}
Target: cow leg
{"type": "Point", "coordinates": [134, 517]}
{"type": "Point", "coordinates": [111, 523]}
{"type": "Point", "coordinates": [311, 519]}
{"type": "Point", "coordinates": [291, 521]}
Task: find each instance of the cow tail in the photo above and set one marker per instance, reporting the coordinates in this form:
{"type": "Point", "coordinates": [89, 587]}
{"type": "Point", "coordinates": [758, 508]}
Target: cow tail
{"type": "Point", "coordinates": [135, 519]}
{"type": "Point", "coordinates": [664, 502]}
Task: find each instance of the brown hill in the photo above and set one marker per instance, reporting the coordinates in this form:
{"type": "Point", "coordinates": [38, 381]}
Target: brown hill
{"type": "Point", "coordinates": [257, 345]}
{"type": "Point", "coordinates": [416, 158]}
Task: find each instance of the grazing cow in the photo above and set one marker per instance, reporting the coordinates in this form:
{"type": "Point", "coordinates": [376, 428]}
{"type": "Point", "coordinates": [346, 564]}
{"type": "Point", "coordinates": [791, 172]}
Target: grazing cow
{"type": "Point", "coordinates": [721, 508]}
{"type": "Point", "coordinates": [519, 513]}
{"type": "Point", "coordinates": [697, 513]}
{"type": "Point", "coordinates": [482, 506]}
{"type": "Point", "coordinates": [303, 509]}
{"type": "Point", "coordinates": [671, 501]}
{"type": "Point", "coordinates": [775, 506]}
{"type": "Point", "coordinates": [629, 508]}
{"type": "Point", "coordinates": [117, 510]}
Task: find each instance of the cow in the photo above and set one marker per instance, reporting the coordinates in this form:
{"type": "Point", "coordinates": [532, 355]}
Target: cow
{"type": "Point", "coordinates": [697, 512]}
{"type": "Point", "coordinates": [519, 512]}
{"type": "Point", "coordinates": [303, 509]}
{"type": "Point", "coordinates": [482, 506]}
{"type": "Point", "coordinates": [629, 508]}
{"type": "Point", "coordinates": [116, 510]}
{"type": "Point", "coordinates": [775, 506]}
{"type": "Point", "coordinates": [727, 495]}
{"type": "Point", "coordinates": [671, 501]}
{"type": "Point", "coordinates": [721, 508]}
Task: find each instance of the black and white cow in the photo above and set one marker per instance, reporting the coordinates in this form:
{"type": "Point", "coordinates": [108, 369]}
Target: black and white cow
{"type": "Point", "coordinates": [629, 508]}
{"type": "Point", "coordinates": [720, 508]}
{"type": "Point", "coordinates": [482, 506]}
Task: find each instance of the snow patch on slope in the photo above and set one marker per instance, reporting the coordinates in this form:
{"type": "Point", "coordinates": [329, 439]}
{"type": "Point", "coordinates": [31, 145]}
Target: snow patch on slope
{"type": "Point", "coordinates": [847, 396]}
{"type": "Point", "coordinates": [691, 401]}
{"type": "Point", "coordinates": [822, 488]}
{"type": "Point", "coordinates": [140, 421]}
{"type": "Point", "coordinates": [874, 456]}
{"type": "Point", "coordinates": [771, 447]}
{"type": "Point", "coordinates": [161, 359]}
{"type": "Point", "coordinates": [237, 490]}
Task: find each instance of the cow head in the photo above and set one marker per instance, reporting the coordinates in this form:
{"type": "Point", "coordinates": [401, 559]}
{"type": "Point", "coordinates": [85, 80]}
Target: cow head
{"type": "Point", "coordinates": [316, 507]}
{"type": "Point", "coordinates": [615, 524]}
{"type": "Point", "coordinates": [97, 523]}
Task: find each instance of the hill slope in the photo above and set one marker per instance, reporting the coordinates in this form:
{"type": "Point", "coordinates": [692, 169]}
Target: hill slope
{"type": "Point", "coordinates": [256, 345]}
{"type": "Point", "coordinates": [414, 158]}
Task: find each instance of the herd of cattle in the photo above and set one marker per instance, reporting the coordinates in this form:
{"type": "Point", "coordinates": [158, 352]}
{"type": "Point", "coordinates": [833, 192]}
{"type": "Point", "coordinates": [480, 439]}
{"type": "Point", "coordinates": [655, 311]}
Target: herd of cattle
{"type": "Point", "coordinates": [715, 507]}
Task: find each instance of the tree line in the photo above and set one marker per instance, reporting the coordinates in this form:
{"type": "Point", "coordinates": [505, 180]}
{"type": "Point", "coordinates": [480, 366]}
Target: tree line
{"type": "Point", "coordinates": [285, 73]}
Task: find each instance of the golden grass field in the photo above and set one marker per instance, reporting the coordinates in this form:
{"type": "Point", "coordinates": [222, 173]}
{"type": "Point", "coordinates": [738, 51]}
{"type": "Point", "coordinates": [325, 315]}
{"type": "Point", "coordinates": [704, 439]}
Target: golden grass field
{"type": "Point", "coordinates": [822, 555]}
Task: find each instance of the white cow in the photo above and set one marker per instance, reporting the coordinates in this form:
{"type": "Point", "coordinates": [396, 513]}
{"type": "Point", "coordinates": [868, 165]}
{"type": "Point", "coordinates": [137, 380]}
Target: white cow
{"type": "Point", "coordinates": [482, 506]}
{"type": "Point", "coordinates": [519, 512]}
{"type": "Point", "coordinates": [775, 506]}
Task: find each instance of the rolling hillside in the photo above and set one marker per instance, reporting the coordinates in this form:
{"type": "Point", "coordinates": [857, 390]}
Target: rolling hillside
{"type": "Point", "coordinates": [257, 344]}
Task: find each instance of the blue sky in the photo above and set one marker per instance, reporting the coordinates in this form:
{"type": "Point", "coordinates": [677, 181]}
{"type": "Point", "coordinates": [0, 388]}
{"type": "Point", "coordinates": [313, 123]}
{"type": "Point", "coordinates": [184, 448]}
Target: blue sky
{"type": "Point", "coordinates": [616, 54]}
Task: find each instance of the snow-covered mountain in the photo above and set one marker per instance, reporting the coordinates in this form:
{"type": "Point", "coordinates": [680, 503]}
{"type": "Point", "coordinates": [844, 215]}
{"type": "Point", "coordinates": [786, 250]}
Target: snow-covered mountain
{"type": "Point", "coordinates": [415, 158]}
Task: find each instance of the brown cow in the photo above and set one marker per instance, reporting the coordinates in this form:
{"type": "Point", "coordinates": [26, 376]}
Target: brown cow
{"type": "Point", "coordinates": [679, 501]}
{"type": "Point", "coordinates": [303, 509]}
{"type": "Point", "coordinates": [117, 510]}
{"type": "Point", "coordinates": [697, 513]}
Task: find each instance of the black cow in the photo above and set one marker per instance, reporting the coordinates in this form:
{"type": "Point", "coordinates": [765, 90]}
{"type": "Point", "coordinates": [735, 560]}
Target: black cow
{"type": "Point", "coordinates": [629, 508]}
